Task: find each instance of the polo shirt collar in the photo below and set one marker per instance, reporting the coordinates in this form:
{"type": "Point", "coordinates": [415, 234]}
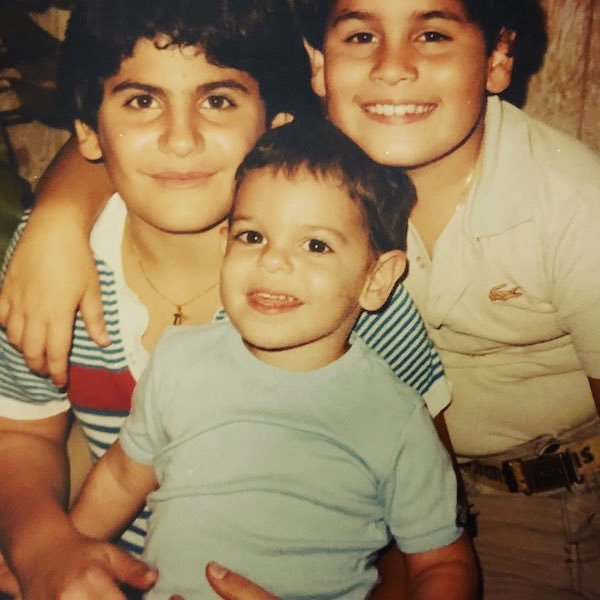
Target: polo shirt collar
{"type": "Point", "coordinates": [503, 193]}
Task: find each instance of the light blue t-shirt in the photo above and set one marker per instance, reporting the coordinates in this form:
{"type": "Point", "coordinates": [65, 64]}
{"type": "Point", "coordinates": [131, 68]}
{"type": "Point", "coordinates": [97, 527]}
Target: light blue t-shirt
{"type": "Point", "coordinates": [293, 479]}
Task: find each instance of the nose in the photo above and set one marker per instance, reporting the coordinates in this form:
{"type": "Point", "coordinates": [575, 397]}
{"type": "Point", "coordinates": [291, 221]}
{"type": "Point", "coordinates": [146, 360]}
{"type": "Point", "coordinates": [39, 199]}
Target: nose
{"type": "Point", "coordinates": [182, 133]}
{"type": "Point", "coordinates": [275, 258]}
{"type": "Point", "coordinates": [394, 63]}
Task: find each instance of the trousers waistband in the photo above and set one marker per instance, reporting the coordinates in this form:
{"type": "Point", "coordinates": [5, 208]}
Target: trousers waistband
{"type": "Point", "coordinates": [558, 466]}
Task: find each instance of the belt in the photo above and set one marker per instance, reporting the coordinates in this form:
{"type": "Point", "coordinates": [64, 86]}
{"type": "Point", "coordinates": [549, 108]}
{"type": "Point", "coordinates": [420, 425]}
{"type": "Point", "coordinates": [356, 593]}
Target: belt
{"type": "Point", "coordinates": [558, 466]}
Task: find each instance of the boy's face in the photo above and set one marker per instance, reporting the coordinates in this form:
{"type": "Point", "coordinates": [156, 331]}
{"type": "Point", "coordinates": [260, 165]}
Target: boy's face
{"type": "Point", "coordinates": [297, 259]}
{"type": "Point", "coordinates": [172, 129]}
{"type": "Point", "coordinates": [407, 79]}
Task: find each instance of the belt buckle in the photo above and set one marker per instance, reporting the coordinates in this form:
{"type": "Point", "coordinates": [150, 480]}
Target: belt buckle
{"type": "Point", "coordinates": [541, 474]}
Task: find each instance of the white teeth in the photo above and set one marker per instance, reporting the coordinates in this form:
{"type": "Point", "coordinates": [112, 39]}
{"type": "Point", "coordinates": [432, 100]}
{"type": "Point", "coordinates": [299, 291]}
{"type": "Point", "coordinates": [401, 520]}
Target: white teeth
{"type": "Point", "coordinates": [398, 110]}
{"type": "Point", "coordinates": [278, 297]}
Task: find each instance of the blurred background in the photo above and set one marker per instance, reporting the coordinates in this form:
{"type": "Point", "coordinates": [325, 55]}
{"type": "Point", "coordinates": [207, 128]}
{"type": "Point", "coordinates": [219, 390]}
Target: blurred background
{"type": "Point", "coordinates": [565, 92]}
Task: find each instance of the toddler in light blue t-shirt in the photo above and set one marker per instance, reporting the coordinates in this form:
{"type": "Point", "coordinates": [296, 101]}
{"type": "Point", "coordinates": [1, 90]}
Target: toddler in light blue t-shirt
{"type": "Point", "coordinates": [277, 442]}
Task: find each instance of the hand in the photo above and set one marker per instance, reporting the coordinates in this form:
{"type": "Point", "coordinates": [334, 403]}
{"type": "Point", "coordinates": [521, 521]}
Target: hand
{"type": "Point", "coordinates": [232, 586]}
{"type": "Point", "coordinates": [81, 568]}
{"type": "Point", "coordinates": [45, 283]}
{"type": "Point", "coordinates": [8, 582]}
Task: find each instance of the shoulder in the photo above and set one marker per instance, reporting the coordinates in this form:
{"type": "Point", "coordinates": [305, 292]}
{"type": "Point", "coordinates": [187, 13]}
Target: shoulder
{"type": "Point", "coordinates": [546, 152]}
{"type": "Point", "coordinates": [373, 376]}
{"type": "Point", "coordinates": [531, 172]}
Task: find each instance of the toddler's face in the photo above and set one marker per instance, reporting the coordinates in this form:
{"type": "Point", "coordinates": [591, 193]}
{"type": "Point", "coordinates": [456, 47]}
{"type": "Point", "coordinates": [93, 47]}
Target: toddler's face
{"type": "Point", "coordinates": [406, 80]}
{"type": "Point", "coordinates": [297, 259]}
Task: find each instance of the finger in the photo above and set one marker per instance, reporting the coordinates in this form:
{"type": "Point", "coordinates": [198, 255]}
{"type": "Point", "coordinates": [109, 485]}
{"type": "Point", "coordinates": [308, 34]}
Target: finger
{"type": "Point", "coordinates": [34, 351]}
{"type": "Point", "coordinates": [232, 586]}
{"type": "Point", "coordinates": [92, 313]}
{"type": "Point", "coordinates": [14, 329]}
{"type": "Point", "coordinates": [8, 582]}
{"type": "Point", "coordinates": [131, 571]}
{"type": "Point", "coordinates": [58, 345]}
{"type": "Point", "coordinates": [4, 310]}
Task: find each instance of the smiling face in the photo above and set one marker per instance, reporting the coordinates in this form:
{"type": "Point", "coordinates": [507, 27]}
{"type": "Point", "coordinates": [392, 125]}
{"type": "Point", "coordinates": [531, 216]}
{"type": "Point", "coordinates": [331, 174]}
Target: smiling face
{"type": "Point", "coordinates": [297, 260]}
{"type": "Point", "coordinates": [172, 129]}
{"type": "Point", "coordinates": [407, 80]}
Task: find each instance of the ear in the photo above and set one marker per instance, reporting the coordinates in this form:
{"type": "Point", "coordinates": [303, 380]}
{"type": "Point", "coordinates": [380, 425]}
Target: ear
{"type": "Point", "coordinates": [281, 119]}
{"type": "Point", "coordinates": [89, 146]}
{"type": "Point", "coordinates": [384, 275]}
{"type": "Point", "coordinates": [500, 63]}
{"type": "Point", "coordinates": [317, 63]}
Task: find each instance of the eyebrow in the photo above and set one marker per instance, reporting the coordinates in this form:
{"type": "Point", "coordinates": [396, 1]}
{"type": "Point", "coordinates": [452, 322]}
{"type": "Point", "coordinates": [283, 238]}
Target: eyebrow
{"type": "Point", "coordinates": [351, 15]}
{"type": "Point", "coordinates": [205, 88]}
{"type": "Point", "coordinates": [361, 15]}
{"type": "Point", "coordinates": [446, 15]}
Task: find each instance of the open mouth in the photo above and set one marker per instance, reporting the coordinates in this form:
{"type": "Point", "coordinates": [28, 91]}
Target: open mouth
{"type": "Point", "coordinates": [272, 302]}
{"type": "Point", "coordinates": [384, 109]}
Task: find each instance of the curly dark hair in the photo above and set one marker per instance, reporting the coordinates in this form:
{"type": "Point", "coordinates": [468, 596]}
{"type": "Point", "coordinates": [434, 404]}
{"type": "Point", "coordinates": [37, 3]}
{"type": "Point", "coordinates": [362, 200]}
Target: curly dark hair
{"type": "Point", "coordinates": [259, 37]}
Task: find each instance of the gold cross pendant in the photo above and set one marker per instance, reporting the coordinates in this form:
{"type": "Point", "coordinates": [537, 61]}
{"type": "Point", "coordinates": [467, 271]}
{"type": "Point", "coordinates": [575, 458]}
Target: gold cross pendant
{"type": "Point", "coordinates": [178, 316]}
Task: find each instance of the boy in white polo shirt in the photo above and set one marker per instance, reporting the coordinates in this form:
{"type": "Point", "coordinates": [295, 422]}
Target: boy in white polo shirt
{"type": "Point", "coordinates": [503, 265]}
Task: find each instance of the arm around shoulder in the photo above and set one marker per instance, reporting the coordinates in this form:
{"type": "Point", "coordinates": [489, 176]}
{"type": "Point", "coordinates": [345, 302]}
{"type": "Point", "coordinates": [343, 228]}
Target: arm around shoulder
{"type": "Point", "coordinates": [52, 271]}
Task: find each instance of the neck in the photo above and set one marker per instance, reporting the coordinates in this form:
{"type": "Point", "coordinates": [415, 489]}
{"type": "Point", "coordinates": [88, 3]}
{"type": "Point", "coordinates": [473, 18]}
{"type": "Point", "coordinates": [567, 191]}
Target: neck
{"type": "Point", "coordinates": [311, 355]}
{"type": "Point", "coordinates": [175, 254]}
{"type": "Point", "coordinates": [449, 175]}
{"type": "Point", "coordinates": [301, 359]}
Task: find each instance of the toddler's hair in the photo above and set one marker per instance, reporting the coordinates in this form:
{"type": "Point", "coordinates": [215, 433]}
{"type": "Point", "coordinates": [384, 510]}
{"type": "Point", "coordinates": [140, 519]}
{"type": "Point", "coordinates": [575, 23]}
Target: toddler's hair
{"type": "Point", "coordinates": [385, 194]}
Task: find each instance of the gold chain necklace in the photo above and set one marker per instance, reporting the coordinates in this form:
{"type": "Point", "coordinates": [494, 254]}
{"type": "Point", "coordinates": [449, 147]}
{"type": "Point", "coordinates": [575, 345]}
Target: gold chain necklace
{"type": "Point", "coordinates": [464, 195]}
{"type": "Point", "coordinates": [178, 316]}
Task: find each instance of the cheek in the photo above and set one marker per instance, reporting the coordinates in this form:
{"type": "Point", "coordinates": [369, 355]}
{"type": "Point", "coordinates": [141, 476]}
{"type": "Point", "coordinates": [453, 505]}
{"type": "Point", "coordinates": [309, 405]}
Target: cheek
{"type": "Point", "coordinates": [234, 270]}
{"type": "Point", "coordinates": [129, 146]}
{"type": "Point", "coordinates": [464, 83]}
{"type": "Point", "coordinates": [243, 134]}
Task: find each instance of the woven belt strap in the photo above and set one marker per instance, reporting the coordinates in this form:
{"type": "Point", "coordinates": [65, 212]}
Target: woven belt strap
{"type": "Point", "coordinates": [561, 466]}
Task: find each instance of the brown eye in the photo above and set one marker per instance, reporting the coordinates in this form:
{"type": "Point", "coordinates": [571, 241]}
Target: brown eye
{"type": "Point", "coordinates": [363, 37]}
{"type": "Point", "coordinates": [250, 237]}
{"type": "Point", "coordinates": [317, 247]}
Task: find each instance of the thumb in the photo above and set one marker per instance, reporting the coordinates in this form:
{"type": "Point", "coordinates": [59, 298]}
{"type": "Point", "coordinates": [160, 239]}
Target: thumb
{"type": "Point", "coordinates": [131, 571]}
{"type": "Point", "coordinates": [232, 586]}
{"type": "Point", "coordinates": [92, 313]}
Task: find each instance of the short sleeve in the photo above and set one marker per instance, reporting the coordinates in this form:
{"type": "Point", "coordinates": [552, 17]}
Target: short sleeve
{"type": "Point", "coordinates": [398, 335]}
{"type": "Point", "coordinates": [142, 435]}
{"type": "Point", "coordinates": [420, 493]}
{"type": "Point", "coordinates": [575, 255]}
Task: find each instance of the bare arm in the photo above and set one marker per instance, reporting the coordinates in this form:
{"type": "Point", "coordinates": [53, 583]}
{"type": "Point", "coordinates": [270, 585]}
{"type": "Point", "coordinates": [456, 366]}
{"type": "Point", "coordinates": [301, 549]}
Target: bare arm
{"type": "Point", "coordinates": [33, 471]}
{"type": "Point", "coordinates": [52, 271]}
{"type": "Point", "coordinates": [112, 494]}
{"type": "Point", "coordinates": [49, 557]}
{"type": "Point", "coordinates": [449, 572]}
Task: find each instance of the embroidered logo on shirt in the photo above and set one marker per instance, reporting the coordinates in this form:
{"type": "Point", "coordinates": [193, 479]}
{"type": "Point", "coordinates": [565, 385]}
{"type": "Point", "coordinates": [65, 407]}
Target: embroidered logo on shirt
{"type": "Point", "coordinates": [497, 293]}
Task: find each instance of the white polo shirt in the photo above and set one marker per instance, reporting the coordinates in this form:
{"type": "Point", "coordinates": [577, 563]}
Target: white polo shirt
{"type": "Point", "coordinates": [512, 296]}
